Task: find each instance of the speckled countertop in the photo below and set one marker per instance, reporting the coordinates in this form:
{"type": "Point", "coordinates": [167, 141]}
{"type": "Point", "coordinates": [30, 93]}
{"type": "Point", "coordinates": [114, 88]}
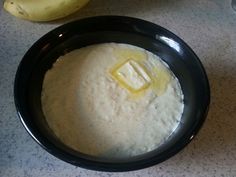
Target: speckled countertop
{"type": "Point", "coordinates": [208, 26]}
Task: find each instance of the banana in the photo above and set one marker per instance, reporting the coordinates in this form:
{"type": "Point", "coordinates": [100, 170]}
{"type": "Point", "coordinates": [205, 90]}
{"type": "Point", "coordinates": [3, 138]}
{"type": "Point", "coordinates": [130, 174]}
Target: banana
{"type": "Point", "coordinates": [43, 10]}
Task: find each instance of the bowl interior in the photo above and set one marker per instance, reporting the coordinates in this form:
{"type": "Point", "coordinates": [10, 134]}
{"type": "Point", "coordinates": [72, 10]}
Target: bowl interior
{"type": "Point", "coordinates": [181, 59]}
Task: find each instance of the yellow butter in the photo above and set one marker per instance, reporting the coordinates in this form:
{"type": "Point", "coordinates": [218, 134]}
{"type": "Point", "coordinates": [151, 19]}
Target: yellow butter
{"type": "Point", "coordinates": [131, 75]}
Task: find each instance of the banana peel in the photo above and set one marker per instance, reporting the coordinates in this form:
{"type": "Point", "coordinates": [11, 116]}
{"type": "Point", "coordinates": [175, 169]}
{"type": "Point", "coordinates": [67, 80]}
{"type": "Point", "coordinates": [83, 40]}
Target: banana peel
{"type": "Point", "coordinates": [43, 10]}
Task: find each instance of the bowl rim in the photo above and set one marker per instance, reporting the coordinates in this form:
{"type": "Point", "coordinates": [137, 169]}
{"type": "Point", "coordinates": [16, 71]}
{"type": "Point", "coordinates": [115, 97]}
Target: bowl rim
{"type": "Point", "coordinates": [103, 166]}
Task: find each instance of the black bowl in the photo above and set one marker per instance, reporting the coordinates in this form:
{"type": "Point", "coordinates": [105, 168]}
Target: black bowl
{"type": "Point", "coordinates": [181, 59]}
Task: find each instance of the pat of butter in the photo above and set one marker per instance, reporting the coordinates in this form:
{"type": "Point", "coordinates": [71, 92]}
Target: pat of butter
{"type": "Point", "coordinates": [131, 75]}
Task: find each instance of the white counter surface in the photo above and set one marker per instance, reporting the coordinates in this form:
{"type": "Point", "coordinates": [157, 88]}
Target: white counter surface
{"type": "Point", "coordinates": [208, 26]}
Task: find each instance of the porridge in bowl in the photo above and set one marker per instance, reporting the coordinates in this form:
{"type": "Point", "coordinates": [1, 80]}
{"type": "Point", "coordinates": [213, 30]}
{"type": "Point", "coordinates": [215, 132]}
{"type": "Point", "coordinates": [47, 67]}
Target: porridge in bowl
{"type": "Point", "coordinates": [111, 100]}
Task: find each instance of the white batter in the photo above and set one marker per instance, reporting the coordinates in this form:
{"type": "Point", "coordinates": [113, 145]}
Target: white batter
{"type": "Point", "coordinates": [92, 112]}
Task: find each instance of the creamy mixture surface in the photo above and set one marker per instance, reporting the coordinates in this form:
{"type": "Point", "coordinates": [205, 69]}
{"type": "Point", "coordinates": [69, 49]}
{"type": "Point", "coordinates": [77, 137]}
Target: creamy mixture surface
{"type": "Point", "coordinates": [111, 100]}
